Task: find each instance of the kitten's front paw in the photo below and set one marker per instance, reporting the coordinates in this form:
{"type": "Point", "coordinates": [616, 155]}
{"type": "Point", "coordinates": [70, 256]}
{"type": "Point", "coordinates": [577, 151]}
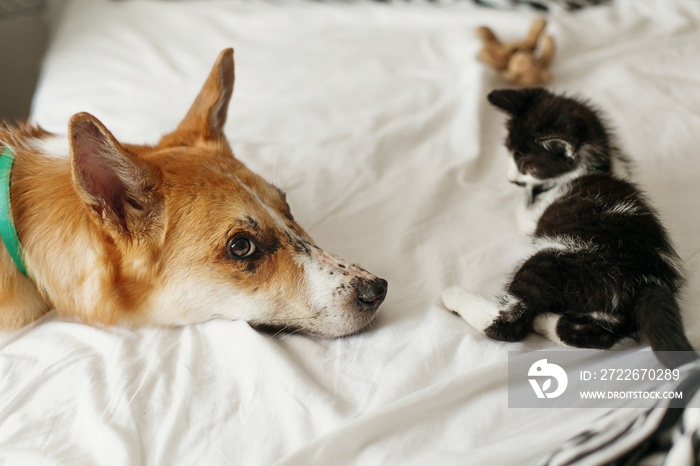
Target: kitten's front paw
{"type": "Point", "coordinates": [477, 311]}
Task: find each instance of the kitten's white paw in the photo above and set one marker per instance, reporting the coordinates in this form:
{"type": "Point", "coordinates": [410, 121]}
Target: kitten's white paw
{"type": "Point", "coordinates": [452, 298]}
{"type": "Point", "coordinates": [546, 325]}
{"type": "Point", "coordinates": [477, 311]}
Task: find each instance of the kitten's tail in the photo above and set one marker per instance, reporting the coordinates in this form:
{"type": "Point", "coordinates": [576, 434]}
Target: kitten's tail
{"type": "Point", "coordinates": [658, 320]}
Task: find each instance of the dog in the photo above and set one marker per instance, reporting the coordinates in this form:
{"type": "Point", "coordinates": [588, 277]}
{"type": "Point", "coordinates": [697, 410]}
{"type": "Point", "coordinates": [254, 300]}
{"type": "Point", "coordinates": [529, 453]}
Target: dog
{"type": "Point", "coordinates": [165, 235]}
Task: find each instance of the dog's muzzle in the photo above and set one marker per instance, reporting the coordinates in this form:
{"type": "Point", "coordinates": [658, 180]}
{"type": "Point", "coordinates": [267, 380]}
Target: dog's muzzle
{"type": "Point", "coordinates": [370, 293]}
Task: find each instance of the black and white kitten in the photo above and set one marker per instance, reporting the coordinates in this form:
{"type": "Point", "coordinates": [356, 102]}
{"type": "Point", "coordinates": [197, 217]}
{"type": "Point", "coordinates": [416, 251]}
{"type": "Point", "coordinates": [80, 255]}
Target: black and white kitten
{"type": "Point", "coordinates": [604, 267]}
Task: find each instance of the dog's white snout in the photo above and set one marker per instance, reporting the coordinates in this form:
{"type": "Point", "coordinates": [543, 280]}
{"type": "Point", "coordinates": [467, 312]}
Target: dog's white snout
{"type": "Point", "coordinates": [343, 287]}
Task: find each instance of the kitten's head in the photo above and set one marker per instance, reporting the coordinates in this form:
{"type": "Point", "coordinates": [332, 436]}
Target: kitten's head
{"type": "Point", "coordinates": [551, 136]}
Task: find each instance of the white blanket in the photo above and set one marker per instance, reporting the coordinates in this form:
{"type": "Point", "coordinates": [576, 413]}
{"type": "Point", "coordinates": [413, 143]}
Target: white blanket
{"type": "Point", "coordinates": [373, 117]}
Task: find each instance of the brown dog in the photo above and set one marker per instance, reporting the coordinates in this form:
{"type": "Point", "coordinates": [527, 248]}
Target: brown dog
{"type": "Point", "coordinates": [171, 234]}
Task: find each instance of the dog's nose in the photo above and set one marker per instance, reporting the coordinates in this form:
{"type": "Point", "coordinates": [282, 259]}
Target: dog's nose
{"type": "Point", "coordinates": [371, 293]}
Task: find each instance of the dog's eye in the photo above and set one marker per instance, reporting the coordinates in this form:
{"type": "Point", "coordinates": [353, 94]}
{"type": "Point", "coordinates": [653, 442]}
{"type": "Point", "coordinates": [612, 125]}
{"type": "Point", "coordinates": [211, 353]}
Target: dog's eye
{"type": "Point", "coordinates": [242, 247]}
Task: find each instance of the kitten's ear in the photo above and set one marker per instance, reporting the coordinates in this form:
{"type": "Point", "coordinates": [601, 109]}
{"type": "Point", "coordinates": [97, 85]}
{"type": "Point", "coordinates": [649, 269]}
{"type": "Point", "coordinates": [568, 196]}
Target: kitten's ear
{"type": "Point", "coordinates": [515, 101]}
{"type": "Point", "coordinates": [558, 146]}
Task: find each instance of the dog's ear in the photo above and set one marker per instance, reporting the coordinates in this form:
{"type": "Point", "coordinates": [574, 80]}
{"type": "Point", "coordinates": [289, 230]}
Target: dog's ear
{"type": "Point", "coordinates": [118, 187]}
{"type": "Point", "coordinates": [206, 118]}
{"type": "Point", "coordinates": [516, 102]}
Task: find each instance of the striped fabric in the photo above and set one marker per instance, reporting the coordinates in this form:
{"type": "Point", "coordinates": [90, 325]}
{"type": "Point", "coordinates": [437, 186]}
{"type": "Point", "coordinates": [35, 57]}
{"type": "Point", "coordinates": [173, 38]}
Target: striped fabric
{"type": "Point", "coordinates": [540, 5]}
{"type": "Point", "coordinates": [667, 434]}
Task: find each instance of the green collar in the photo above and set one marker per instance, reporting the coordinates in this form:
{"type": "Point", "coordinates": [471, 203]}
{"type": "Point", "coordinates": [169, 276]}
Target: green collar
{"type": "Point", "coordinates": [7, 225]}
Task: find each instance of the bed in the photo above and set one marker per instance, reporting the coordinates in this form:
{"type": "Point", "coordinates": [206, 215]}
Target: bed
{"type": "Point", "coordinates": [372, 116]}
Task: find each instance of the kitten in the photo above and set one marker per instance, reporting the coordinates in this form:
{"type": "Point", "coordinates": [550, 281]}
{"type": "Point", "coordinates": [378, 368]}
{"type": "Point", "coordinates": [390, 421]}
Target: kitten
{"type": "Point", "coordinates": [604, 267]}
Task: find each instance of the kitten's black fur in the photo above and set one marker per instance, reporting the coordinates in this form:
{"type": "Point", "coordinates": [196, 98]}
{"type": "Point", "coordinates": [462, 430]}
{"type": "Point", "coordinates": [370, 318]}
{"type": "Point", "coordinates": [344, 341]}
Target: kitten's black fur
{"type": "Point", "coordinates": [606, 266]}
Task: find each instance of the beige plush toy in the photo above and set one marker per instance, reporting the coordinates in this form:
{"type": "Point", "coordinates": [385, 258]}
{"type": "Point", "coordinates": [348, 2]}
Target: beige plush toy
{"type": "Point", "coordinates": [516, 60]}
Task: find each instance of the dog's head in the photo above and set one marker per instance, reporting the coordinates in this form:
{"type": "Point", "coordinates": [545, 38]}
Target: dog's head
{"type": "Point", "coordinates": [191, 234]}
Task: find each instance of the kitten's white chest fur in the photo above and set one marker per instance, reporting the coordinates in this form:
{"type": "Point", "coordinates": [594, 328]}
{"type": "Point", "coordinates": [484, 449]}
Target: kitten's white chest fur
{"type": "Point", "coordinates": [532, 207]}
{"type": "Point", "coordinates": [527, 215]}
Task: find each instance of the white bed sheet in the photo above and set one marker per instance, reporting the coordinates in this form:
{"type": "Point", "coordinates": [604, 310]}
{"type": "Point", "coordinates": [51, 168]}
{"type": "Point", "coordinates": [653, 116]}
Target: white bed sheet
{"type": "Point", "coordinates": [373, 117]}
